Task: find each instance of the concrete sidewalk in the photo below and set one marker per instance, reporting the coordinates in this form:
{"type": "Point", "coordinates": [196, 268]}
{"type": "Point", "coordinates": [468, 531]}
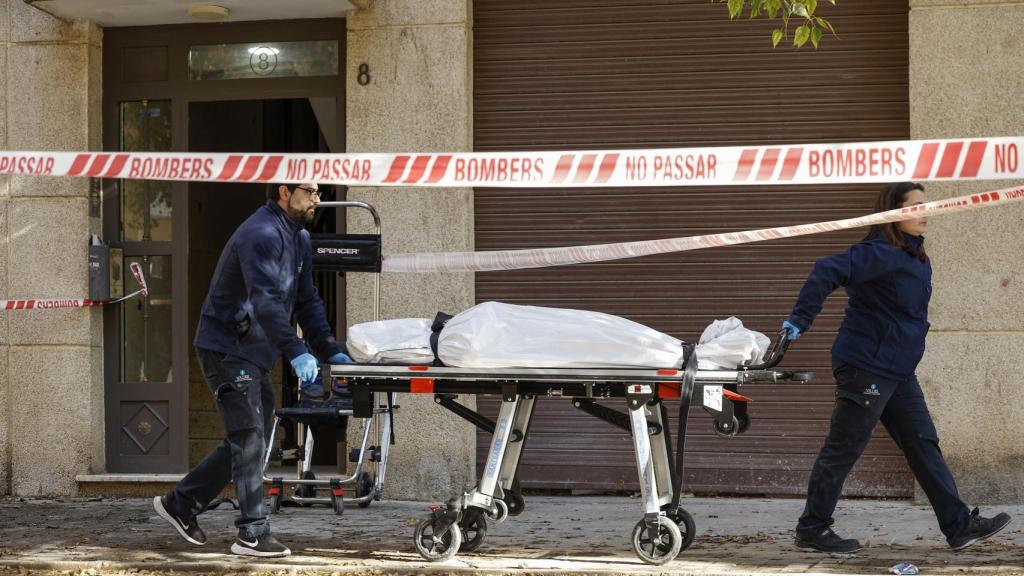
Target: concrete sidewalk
{"type": "Point", "coordinates": [554, 535]}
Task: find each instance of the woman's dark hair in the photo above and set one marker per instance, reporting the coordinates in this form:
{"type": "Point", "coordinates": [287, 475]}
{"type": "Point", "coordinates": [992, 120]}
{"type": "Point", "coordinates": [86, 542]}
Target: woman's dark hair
{"type": "Point", "coordinates": [890, 198]}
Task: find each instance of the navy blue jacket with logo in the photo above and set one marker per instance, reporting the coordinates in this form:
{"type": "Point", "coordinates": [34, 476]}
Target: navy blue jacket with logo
{"type": "Point", "coordinates": [264, 275]}
{"type": "Point", "coordinates": [886, 318]}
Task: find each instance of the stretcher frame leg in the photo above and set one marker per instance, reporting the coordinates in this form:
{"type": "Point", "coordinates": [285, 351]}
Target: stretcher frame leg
{"type": "Point", "coordinates": [508, 485]}
{"type": "Point", "coordinates": [484, 494]}
{"type": "Point", "coordinates": [658, 436]}
{"type": "Point", "coordinates": [270, 442]}
{"type": "Point", "coordinates": [446, 524]}
{"type": "Point", "coordinates": [385, 446]}
{"type": "Point", "coordinates": [642, 451]}
{"type": "Point", "coordinates": [652, 466]}
{"type": "Point", "coordinates": [514, 452]}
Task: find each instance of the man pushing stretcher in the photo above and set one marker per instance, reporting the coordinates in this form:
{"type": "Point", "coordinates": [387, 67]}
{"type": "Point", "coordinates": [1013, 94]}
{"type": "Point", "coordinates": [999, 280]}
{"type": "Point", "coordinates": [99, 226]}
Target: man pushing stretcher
{"type": "Point", "coordinates": [264, 275]}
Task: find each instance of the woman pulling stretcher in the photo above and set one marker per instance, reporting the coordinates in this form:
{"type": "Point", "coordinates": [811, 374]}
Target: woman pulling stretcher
{"type": "Point", "coordinates": [888, 279]}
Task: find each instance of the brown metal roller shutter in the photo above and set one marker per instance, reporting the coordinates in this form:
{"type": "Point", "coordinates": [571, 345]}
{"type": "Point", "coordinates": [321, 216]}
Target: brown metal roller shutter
{"type": "Point", "coordinates": [590, 74]}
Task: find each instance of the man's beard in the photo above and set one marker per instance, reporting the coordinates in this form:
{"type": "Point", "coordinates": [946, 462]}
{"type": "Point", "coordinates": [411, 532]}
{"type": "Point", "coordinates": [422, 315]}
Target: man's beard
{"type": "Point", "coordinates": [299, 216]}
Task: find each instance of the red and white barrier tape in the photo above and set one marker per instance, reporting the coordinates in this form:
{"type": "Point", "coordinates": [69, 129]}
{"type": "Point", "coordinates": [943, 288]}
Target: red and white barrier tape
{"type": "Point", "coordinates": [34, 304]}
{"type": "Point", "coordinates": [848, 163]}
{"type": "Point", "coordinates": [538, 258]}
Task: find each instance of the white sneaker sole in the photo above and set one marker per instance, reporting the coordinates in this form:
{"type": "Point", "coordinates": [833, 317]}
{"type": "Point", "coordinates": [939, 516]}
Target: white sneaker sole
{"type": "Point", "coordinates": [237, 548]}
{"type": "Point", "coordinates": [159, 507]}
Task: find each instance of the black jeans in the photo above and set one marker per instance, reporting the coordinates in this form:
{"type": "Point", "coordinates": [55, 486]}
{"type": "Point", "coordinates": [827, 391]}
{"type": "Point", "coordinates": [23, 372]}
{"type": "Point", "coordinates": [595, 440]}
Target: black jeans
{"type": "Point", "coordinates": [862, 399]}
{"type": "Point", "coordinates": [245, 399]}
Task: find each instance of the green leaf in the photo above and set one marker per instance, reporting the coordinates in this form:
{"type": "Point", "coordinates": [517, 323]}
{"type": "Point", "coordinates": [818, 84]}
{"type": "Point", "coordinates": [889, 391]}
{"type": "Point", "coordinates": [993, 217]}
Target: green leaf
{"type": "Point", "coordinates": [811, 5]}
{"type": "Point", "coordinates": [776, 37]}
{"type": "Point", "coordinates": [735, 7]}
{"type": "Point", "coordinates": [815, 36]}
{"type": "Point", "coordinates": [824, 24]}
{"type": "Point", "coordinates": [800, 10]}
{"type": "Point", "coordinates": [801, 35]}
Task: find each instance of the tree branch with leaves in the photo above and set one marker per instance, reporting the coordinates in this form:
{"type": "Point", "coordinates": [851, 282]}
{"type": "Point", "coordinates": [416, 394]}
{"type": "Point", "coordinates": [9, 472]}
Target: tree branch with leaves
{"type": "Point", "coordinates": [812, 26]}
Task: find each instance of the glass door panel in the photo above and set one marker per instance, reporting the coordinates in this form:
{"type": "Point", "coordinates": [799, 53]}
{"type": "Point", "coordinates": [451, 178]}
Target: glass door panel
{"type": "Point", "coordinates": [145, 225]}
{"type": "Point", "coordinates": [146, 205]}
{"type": "Point", "coordinates": [146, 325]}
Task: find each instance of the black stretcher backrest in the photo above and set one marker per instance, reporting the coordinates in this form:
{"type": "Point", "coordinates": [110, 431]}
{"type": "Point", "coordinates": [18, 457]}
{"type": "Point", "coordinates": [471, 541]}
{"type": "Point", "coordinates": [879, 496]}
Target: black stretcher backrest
{"type": "Point", "coordinates": [346, 252]}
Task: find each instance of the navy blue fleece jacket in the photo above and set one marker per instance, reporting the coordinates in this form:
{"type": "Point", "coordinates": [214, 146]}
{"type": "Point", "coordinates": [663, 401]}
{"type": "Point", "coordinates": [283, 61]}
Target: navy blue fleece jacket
{"type": "Point", "coordinates": [886, 318]}
{"type": "Point", "coordinates": [264, 275]}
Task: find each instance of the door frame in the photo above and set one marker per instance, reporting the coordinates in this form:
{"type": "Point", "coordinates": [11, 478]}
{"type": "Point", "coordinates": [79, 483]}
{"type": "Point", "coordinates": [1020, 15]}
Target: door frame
{"type": "Point", "coordinates": [181, 91]}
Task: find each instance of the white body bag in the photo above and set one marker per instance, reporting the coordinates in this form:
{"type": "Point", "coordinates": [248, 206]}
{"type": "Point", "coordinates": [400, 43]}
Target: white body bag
{"type": "Point", "coordinates": [498, 335]}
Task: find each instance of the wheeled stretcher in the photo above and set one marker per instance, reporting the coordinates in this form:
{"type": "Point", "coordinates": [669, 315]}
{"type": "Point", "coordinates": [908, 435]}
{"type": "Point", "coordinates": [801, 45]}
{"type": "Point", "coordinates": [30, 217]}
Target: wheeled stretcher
{"type": "Point", "coordinates": [337, 253]}
{"type": "Point", "coordinates": [665, 527]}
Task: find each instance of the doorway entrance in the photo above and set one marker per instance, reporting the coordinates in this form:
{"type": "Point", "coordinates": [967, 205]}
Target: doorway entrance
{"type": "Point", "coordinates": [215, 210]}
{"type": "Point", "coordinates": [211, 88]}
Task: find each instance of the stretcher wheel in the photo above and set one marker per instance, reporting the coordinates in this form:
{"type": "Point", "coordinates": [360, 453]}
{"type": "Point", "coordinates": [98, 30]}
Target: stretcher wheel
{"type": "Point", "coordinates": [275, 503]}
{"type": "Point", "coordinates": [338, 503]}
{"type": "Point", "coordinates": [727, 431]}
{"type": "Point", "coordinates": [687, 527]}
{"type": "Point", "coordinates": [515, 503]}
{"type": "Point", "coordinates": [364, 487]}
{"type": "Point", "coordinates": [660, 550]}
{"type": "Point", "coordinates": [743, 423]}
{"type": "Point", "coordinates": [474, 530]}
{"type": "Point", "coordinates": [436, 548]}
{"type": "Point", "coordinates": [502, 511]}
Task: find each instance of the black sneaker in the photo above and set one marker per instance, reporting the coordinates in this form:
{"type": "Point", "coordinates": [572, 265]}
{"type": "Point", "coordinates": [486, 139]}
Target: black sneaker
{"type": "Point", "coordinates": [978, 528]}
{"type": "Point", "coordinates": [828, 541]}
{"type": "Point", "coordinates": [265, 546]}
{"type": "Point", "coordinates": [187, 527]}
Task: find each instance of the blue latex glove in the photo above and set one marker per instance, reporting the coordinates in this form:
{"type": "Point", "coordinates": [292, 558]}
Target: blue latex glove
{"type": "Point", "coordinates": [306, 367]}
{"type": "Point", "coordinates": [794, 332]}
{"type": "Point", "coordinates": [340, 358]}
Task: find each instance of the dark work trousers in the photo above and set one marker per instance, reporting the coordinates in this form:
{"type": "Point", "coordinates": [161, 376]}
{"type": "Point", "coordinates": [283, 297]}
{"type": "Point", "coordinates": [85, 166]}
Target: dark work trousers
{"type": "Point", "coordinates": [862, 399]}
{"type": "Point", "coordinates": [245, 399]}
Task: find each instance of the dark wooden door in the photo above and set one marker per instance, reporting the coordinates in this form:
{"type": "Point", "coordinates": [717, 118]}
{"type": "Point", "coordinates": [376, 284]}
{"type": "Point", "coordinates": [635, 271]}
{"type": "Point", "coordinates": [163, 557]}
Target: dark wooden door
{"type": "Point", "coordinates": [150, 77]}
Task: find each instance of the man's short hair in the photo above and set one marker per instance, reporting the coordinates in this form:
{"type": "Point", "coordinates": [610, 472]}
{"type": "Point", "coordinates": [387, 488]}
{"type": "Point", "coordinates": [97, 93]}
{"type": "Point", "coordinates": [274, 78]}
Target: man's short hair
{"type": "Point", "coordinates": [272, 194]}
